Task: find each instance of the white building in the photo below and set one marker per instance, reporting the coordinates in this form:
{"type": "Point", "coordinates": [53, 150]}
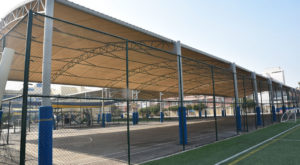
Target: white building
{"type": "Point", "coordinates": [275, 73]}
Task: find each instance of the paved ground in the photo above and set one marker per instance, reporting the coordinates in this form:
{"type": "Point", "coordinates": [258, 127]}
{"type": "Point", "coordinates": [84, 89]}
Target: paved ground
{"type": "Point", "coordinates": [148, 140]}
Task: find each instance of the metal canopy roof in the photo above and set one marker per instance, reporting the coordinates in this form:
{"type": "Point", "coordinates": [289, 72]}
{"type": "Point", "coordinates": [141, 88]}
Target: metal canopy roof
{"type": "Point", "coordinates": [85, 57]}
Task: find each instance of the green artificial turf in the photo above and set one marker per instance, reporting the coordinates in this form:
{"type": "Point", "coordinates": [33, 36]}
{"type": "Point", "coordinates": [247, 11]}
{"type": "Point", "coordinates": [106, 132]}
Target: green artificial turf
{"type": "Point", "coordinates": [213, 153]}
{"type": "Point", "coordinates": [284, 150]}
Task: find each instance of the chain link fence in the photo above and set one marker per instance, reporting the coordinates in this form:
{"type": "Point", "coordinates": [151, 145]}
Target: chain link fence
{"type": "Point", "coordinates": [119, 101]}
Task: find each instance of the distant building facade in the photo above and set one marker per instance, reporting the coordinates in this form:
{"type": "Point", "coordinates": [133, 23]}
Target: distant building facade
{"type": "Point", "coordinates": [275, 73]}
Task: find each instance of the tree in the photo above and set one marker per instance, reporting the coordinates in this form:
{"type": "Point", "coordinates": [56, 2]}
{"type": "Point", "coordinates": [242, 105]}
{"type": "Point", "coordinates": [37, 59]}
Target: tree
{"type": "Point", "coordinates": [152, 110]}
{"type": "Point", "coordinates": [202, 106]}
{"type": "Point", "coordinates": [189, 107]}
{"type": "Point", "coordinates": [173, 108]}
{"type": "Point", "coordinates": [115, 110]}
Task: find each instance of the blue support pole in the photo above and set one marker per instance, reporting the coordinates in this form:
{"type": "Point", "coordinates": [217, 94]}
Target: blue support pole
{"type": "Point", "coordinates": [283, 109]}
{"type": "Point", "coordinates": [258, 119]}
{"type": "Point", "coordinates": [205, 113]}
{"type": "Point", "coordinates": [200, 113]}
{"type": "Point", "coordinates": [98, 119]}
{"type": "Point", "coordinates": [238, 118]}
{"type": "Point", "coordinates": [103, 120]}
{"type": "Point", "coordinates": [1, 112]}
{"type": "Point", "coordinates": [223, 113]}
{"type": "Point", "coordinates": [45, 135]}
{"type": "Point", "coordinates": [182, 120]}
{"type": "Point", "coordinates": [133, 118]}
{"type": "Point", "coordinates": [108, 117]}
{"type": "Point", "coordinates": [273, 113]}
{"type": "Point", "coordinates": [162, 115]}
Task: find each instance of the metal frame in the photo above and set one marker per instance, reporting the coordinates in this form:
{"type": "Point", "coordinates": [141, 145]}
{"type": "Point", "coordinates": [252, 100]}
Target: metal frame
{"type": "Point", "coordinates": [127, 103]}
{"type": "Point", "coordinates": [25, 89]}
{"type": "Point", "coordinates": [22, 11]}
{"type": "Point", "coordinates": [271, 97]}
{"type": "Point", "coordinates": [236, 95]}
{"type": "Point", "coordinates": [261, 105]}
{"type": "Point", "coordinates": [177, 48]}
{"type": "Point", "coordinates": [244, 103]}
{"type": "Point", "coordinates": [47, 52]}
{"type": "Point", "coordinates": [180, 87]}
{"type": "Point", "coordinates": [282, 99]}
{"type": "Point", "coordinates": [214, 102]}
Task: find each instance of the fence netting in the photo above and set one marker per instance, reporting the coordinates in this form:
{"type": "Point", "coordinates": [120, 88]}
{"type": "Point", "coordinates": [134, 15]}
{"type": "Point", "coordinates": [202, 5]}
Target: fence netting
{"type": "Point", "coordinates": [115, 100]}
{"type": "Point", "coordinates": [10, 123]}
{"type": "Point", "coordinates": [153, 84]}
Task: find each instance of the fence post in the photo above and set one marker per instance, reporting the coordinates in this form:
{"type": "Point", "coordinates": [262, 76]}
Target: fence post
{"type": "Point", "coordinates": [282, 99]}
{"type": "Point", "coordinates": [236, 100]}
{"type": "Point", "coordinates": [271, 100]}
{"type": "Point", "coordinates": [277, 103]}
{"type": "Point", "coordinates": [261, 104]}
{"type": "Point", "coordinates": [181, 109]}
{"type": "Point", "coordinates": [258, 117]}
{"type": "Point", "coordinates": [245, 103]}
{"type": "Point", "coordinates": [288, 99]}
{"type": "Point", "coordinates": [160, 107]}
{"type": "Point", "coordinates": [293, 97]}
{"type": "Point", "coordinates": [214, 101]}
{"type": "Point", "coordinates": [296, 98]}
{"type": "Point", "coordinates": [8, 122]}
{"type": "Point", "coordinates": [25, 89]}
{"type": "Point", "coordinates": [1, 111]}
{"type": "Point", "coordinates": [127, 102]}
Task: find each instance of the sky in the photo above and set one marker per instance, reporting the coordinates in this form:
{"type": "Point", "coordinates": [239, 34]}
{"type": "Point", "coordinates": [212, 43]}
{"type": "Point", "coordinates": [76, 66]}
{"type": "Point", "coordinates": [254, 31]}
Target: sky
{"type": "Point", "coordinates": [255, 34]}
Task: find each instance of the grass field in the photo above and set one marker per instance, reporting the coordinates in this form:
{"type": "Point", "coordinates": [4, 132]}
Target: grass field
{"type": "Point", "coordinates": [281, 150]}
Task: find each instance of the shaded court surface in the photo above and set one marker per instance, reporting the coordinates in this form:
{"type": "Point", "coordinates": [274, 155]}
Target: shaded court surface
{"type": "Point", "coordinates": [148, 141]}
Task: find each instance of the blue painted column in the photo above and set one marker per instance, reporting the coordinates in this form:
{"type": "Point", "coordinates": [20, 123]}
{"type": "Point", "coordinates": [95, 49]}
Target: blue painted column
{"type": "Point", "coordinates": [1, 112]}
{"type": "Point", "coordinates": [223, 113]}
{"type": "Point", "coordinates": [103, 120]}
{"type": "Point", "coordinates": [182, 125]}
{"type": "Point", "coordinates": [45, 135]}
{"type": "Point", "coordinates": [238, 116]}
{"type": "Point", "coordinates": [108, 117]}
{"type": "Point", "coordinates": [162, 115]}
{"type": "Point", "coordinates": [273, 113]}
{"type": "Point", "coordinates": [98, 119]}
{"type": "Point", "coordinates": [133, 118]}
{"type": "Point", "coordinates": [258, 119]}
{"type": "Point", "coordinates": [200, 113]}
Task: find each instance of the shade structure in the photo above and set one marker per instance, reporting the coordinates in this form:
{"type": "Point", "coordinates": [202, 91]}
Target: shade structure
{"type": "Point", "coordinates": [80, 54]}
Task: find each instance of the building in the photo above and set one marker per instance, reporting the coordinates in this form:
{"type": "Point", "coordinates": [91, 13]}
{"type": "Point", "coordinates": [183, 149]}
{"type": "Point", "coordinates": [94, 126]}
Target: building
{"type": "Point", "coordinates": [275, 73]}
